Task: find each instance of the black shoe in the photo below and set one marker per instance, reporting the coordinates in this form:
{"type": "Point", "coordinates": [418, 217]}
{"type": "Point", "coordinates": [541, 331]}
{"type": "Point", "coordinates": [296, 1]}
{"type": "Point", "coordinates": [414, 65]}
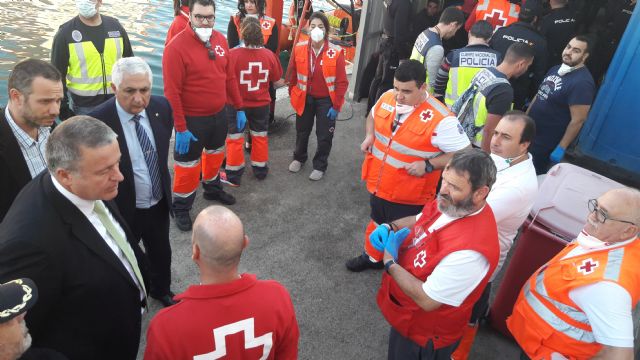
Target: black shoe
{"type": "Point", "coordinates": [183, 220]}
{"type": "Point", "coordinates": [166, 299]}
{"type": "Point", "coordinates": [221, 196]}
{"type": "Point", "coordinates": [362, 262]}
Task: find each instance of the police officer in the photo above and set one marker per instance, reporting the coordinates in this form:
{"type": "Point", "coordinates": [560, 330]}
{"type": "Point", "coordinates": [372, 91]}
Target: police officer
{"type": "Point", "coordinates": [396, 44]}
{"type": "Point", "coordinates": [558, 27]}
{"type": "Point", "coordinates": [524, 31]}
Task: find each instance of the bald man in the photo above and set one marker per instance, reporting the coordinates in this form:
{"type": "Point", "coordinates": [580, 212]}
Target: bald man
{"type": "Point", "coordinates": [228, 313]}
{"type": "Point", "coordinates": [579, 305]}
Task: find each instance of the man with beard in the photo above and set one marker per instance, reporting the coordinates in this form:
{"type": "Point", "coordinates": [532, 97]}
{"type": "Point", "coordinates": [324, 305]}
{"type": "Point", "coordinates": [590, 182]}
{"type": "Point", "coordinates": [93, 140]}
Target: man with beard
{"type": "Point", "coordinates": [433, 280]}
{"type": "Point", "coordinates": [579, 305]}
{"type": "Point", "coordinates": [562, 104]}
{"type": "Point", "coordinates": [35, 93]}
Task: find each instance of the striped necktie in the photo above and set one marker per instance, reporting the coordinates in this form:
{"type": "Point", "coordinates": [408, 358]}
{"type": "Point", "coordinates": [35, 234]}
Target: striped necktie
{"type": "Point", "coordinates": [101, 210]}
{"type": "Point", "coordinates": [150, 157]}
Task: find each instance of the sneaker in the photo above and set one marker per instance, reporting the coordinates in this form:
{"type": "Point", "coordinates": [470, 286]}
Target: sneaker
{"type": "Point", "coordinates": [183, 220]}
{"type": "Point", "coordinates": [295, 166]}
{"type": "Point", "coordinates": [235, 182]}
{"type": "Point", "coordinates": [220, 196]}
{"type": "Point", "coordinates": [362, 262]}
{"type": "Point", "coordinates": [316, 175]}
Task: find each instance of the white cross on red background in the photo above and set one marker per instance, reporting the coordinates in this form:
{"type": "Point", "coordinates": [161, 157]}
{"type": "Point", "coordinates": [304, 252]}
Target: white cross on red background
{"type": "Point", "coordinates": [219, 50]}
{"type": "Point", "coordinates": [496, 17]}
{"type": "Point", "coordinates": [255, 74]}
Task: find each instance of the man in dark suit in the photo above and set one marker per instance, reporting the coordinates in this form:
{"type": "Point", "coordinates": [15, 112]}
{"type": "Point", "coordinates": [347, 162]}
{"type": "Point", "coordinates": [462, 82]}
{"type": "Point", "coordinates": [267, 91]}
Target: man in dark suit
{"type": "Point", "coordinates": [144, 124]}
{"type": "Point", "coordinates": [64, 232]}
{"type": "Point", "coordinates": [35, 92]}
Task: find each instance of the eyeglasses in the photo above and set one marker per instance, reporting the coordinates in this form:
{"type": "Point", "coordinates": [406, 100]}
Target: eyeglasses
{"type": "Point", "coordinates": [212, 54]}
{"type": "Point", "coordinates": [601, 215]}
{"type": "Point", "coordinates": [200, 18]}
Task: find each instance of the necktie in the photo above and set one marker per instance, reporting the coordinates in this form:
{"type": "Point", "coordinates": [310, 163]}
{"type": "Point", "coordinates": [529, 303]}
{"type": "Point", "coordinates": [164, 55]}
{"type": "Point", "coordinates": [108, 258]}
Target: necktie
{"type": "Point", "coordinates": [150, 157]}
{"type": "Point", "coordinates": [101, 210]}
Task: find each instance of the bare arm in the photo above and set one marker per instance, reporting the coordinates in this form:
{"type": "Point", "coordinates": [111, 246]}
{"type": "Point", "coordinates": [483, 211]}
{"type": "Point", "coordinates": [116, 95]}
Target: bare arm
{"type": "Point", "coordinates": [611, 353]}
{"type": "Point", "coordinates": [405, 222]}
{"type": "Point", "coordinates": [368, 136]}
{"type": "Point", "coordinates": [440, 161]}
{"type": "Point", "coordinates": [489, 127]}
{"type": "Point", "coordinates": [411, 285]}
{"type": "Point", "coordinates": [578, 116]}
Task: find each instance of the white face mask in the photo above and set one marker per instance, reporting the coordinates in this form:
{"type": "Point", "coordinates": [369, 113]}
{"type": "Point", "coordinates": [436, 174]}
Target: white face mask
{"type": "Point", "coordinates": [317, 34]}
{"type": "Point", "coordinates": [589, 242]}
{"type": "Point", "coordinates": [402, 109]}
{"type": "Point", "coordinates": [204, 33]}
{"type": "Point", "coordinates": [86, 8]}
{"type": "Point", "coordinates": [503, 163]}
{"type": "Point", "coordinates": [565, 69]}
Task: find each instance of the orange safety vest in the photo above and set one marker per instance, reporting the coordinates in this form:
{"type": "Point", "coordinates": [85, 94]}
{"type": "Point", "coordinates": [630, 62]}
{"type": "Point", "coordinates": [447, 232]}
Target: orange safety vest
{"type": "Point", "coordinates": [498, 13]}
{"type": "Point", "coordinates": [383, 168]}
{"type": "Point", "coordinates": [329, 60]}
{"type": "Point", "coordinates": [545, 319]}
{"type": "Point", "coordinates": [266, 24]}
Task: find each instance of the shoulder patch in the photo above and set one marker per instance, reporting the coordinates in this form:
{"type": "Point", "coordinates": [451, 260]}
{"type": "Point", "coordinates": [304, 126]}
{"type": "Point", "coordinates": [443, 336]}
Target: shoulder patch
{"type": "Point", "coordinates": [421, 42]}
{"type": "Point", "coordinates": [387, 106]}
{"type": "Point", "coordinates": [114, 34]}
{"type": "Point", "coordinates": [303, 43]}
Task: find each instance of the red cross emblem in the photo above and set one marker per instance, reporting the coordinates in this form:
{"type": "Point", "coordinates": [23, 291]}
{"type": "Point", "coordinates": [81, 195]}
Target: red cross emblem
{"type": "Point", "coordinates": [426, 116]}
{"type": "Point", "coordinates": [331, 53]}
{"type": "Point", "coordinates": [219, 50]}
{"type": "Point", "coordinates": [421, 259]}
{"type": "Point", "coordinates": [588, 266]}
{"type": "Point", "coordinates": [255, 74]}
{"type": "Point", "coordinates": [266, 25]}
{"type": "Point", "coordinates": [496, 18]}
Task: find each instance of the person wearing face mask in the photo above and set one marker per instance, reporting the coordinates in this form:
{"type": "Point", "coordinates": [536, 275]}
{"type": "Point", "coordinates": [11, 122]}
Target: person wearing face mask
{"type": "Point", "coordinates": [511, 199]}
{"type": "Point", "coordinates": [84, 50]}
{"type": "Point", "coordinates": [410, 136]}
{"type": "Point", "coordinates": [579, 304]}
{"type": "Point", "coordinates": [180, 20]}
{"type": "Point", "coordinates": [199, 80]}
{"type": "Point", "coordinates": [317, 85]}
{"type": "Point", "coordinates": [562, 104]}
{"type": "Point", "coordinates": [439, 261]}
{"type": "Point", "coordinates": [428, 47]}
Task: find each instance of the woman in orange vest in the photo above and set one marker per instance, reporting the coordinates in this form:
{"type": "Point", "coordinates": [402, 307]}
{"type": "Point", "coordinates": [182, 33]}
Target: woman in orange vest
{"type": "Point", "coordinates": [317, 84]}
{"type": "Point", "coordinates": [181, 20]}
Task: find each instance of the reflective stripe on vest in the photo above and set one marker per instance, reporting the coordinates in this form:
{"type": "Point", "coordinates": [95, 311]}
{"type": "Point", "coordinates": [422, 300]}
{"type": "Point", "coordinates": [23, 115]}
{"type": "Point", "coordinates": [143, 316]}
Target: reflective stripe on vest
{"type": "Point", "coordinates": [266, 27]}
{"type": "Point", "coordinates": [405, 149]}
{"type": "Point", "coordinates": [459, 80]}
{"type": "Point", "coordinates": [89, 72]}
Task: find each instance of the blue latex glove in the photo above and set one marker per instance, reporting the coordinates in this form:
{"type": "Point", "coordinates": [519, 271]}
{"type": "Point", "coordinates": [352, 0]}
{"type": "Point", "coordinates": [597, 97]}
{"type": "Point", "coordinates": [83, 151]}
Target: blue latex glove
{"type": "Point", "coordinates": [395, 240]}
{"type": "Point", "coordinates": [183, 140]}
{"type": "Point", "coordinates": [379, 237]}
{"type": "Point", "coordinates": [332, 114]}
{"type": "Point", "coordinates": [557, 154]}
{"type": "Point", "coordinates": [241, 120]}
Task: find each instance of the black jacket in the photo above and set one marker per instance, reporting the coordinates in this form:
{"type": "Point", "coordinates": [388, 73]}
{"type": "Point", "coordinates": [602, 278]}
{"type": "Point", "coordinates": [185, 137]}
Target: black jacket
{"type": "Point", "coordinates": [15, 173]}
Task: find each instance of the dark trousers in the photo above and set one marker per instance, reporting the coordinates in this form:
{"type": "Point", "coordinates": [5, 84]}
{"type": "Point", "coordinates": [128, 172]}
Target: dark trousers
{"type": "Point", "coordinates": [481, 307]}
{"type": "Point", "coordinates": [211, 132]}
{"type": "Point", "coordinates": [315, 109]}
{"type": "Point", "coordinates": [383, 211]}
{"type": "Point", "coordinates": [152, 226]}
{"type": "Point", "coordinates": [541, 159]}
{"type": "Point", "coordinates": [383, 80]}
{"type": "Point", "coordinates": [402, 348]}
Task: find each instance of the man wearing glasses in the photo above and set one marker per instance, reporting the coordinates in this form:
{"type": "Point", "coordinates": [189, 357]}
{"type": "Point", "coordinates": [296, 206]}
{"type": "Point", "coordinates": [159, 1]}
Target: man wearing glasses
{"type": "Point", "coordinates": [579, 305]}
{"type": "Point", "coordinates": [198, 80]}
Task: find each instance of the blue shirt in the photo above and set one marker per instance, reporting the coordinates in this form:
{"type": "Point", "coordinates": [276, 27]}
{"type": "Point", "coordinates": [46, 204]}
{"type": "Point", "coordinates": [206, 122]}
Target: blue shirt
{"type": "Point", "coordinates": [141, 177]}
{"type": "Point", "coordinates": [555, 95]}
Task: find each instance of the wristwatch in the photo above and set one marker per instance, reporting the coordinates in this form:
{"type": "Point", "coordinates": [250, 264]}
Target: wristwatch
{"type": "Point", "coordinates": [428, 167]}
{"type": "Point", "coordinates": [388, 264]}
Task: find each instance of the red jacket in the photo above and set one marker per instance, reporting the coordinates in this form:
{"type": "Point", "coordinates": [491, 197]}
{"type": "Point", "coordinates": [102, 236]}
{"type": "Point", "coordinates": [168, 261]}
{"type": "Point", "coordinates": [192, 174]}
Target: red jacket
{"type": "Point", "coordinates": [208, 316]}
{"type": "Point", "coordinates": [255, 68]}
{"type": "Point", "coordinates": [445, 324]}
{"type": "Point", "coordinates": [180, 22]}
{"type": "Point", "coordinates": [193, 81]}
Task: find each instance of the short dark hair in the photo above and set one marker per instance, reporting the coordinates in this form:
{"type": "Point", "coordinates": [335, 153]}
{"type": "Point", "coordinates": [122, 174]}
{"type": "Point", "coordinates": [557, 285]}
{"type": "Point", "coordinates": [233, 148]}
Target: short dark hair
{"type": "Point", "coordinates": [177, 4]}
{"type": "Point", "coordinates": [478, 164]}
{"type": "Point", "coordinates": [320, 15]}
{"type": "Point", "coordinates": [434, 1]}
{"type": "Point", "coordinates": [450, 15]}
{"type": "Point", "coordinates": [259, 4]}
{"type": "Point", "coordinates": [203, 3]}
{"type": "Point", "coordinates": [482, 29]}
{"type": "Point", "coordinates": [585, 39]}
{"type": "Point", "coordinates": [529, 130]}
{"type": "Point", "coordinates": [26, 71]}
{"type": "Point", "coordinates": [519, 51]}
{"type": "Point", "coordinates": [252, 32]}
{"type": "Point", "coordinates": [411, 70]}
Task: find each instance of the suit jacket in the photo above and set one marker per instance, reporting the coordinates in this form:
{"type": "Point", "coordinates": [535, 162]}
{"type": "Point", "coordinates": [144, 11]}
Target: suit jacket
{"type": "Point", "coordinates": [161, 119]}
{"type": "Point", "coordinates": [88, 305]}
{"type": "Point", "coordinates": [15, 173]}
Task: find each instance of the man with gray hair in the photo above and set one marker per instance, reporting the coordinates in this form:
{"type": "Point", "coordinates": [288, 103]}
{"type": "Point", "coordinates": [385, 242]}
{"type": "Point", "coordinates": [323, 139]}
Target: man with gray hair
{"type": "Point", "coordinates": [35, 92]}
{"type": "Point", "coordinates": [64, 232]}
{"type": "Point", "coordinates": [433, 280]}
{"type": "Point", "coordinates": [224, 303]}
{"type": "Point", "coordinates": [143, 124]}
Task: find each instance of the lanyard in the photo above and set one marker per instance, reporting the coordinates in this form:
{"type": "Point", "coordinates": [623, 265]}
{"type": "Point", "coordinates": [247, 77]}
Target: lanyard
{"type": "Point", "coordinates": [314, 58]}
